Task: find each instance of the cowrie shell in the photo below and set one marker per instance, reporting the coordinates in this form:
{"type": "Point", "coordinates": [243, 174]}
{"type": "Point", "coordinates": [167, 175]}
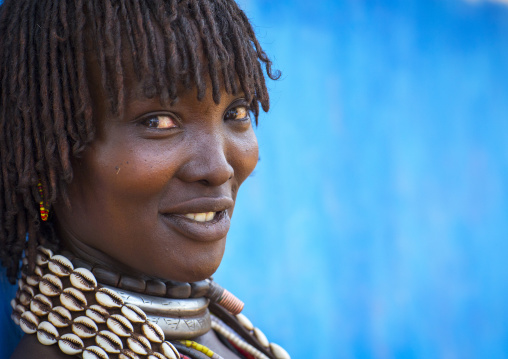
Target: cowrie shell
{"type": "Point", "coordinates": [83, 279]}
{"type": "Point", "coordinates": [33, 280]}
{"type": "Point", "coordinates": [13, 303]}
{"type": "Point", "coordinates": [120, 325]}
{"type": "Point", "coordinates": [108, 298]}
{"type": "Point", "coordinates": [170, 351]}
{"type": "Point", "coordinates": [60, 265]}
{"type": "Point", "coordinates": [50, 285]}
{"type": "Point", "coordinates": [38, 271]}
{"type": "Point", "coordinates": [20, 309]}
{"type": "Point", "coordinates": [156, 355]}
{"type": "Point", "coordinates": [15, 316]}
{"type": "Point", "coordinates": [70, 344]}
{"type": "Point", "coordinates": [153, 332]}
{"type": "Point", "coordinates": [97, 313]}
{"type": "Point", "coordinates": [41, 305]}
{"type": "Point", "coordinates": [84, 327]}
{"type": "Point", "coordinates": [27, 288]}
{"type": "Point", "coordinates": [26, 294]}
{"type": "Point", "coordinates": [279, 352]}
{"type": "Point", "coordinates": [47, 333]}
{"type": "Point", "coordinates": [94, 352]}
{"type": "Point", "coordinates": [73, 299]}
{"type": "Point", "coordinates": [133, 313]}
{"type": "Point", "coordinates": [21, 283]}
{"type": "Point", "coordinates": [139, 344]}
{"type": "Point", "coordinates": [24, 298]}
{"type": "Point", "coordinates": [60, 317]}
{"type": "Point", "coordinates": [245, 322]}
{"type": "Point", "coordinates": [29, 322]}
{"type": "Point", "coordinates": [109, 341]}
{"type": "Point", "coordinates": [16, 312]}
{"type": "Point", "coordinates": [261, 337]}
{"type": "Point", "coordinates": [128, 354]}
{"type": "Point", "coordinates": [43, 255]}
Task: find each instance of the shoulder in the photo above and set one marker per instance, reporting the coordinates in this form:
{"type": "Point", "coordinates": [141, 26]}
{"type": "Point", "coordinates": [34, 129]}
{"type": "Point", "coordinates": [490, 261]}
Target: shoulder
{"type": "Point", "coordinates": [29, 347]}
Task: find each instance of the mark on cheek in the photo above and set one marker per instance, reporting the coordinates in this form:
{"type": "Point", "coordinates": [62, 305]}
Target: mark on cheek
{"type": "Point", "coordinates": [118, 168]}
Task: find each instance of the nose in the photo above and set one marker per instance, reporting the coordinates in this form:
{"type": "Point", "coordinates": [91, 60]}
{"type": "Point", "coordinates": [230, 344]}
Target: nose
{"type": "Point", "coordinates": [208, 163]}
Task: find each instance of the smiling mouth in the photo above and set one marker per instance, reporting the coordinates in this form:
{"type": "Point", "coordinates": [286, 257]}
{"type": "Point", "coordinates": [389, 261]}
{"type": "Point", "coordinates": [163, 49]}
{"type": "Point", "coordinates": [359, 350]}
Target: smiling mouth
{"type": "Point", "coordinates": [201, 217]}
{"type": "Point", "coordinates": [200, 226]}
{"type": "Point", "coordinates": [204, 219]}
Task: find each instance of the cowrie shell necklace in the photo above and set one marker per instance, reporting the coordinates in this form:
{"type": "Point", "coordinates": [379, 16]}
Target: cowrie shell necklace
{"type": "Point", "coordinates": [65, 306]}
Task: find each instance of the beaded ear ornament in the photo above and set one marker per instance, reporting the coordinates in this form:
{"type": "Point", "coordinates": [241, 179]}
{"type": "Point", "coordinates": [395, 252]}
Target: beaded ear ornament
{"type": "Point", "coordinates": [42, 209]}
{"type": "Point", "coordinates": [65, 305]}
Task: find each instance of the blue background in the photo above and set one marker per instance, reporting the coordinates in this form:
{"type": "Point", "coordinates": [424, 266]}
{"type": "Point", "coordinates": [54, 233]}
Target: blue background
{"type": "Point", "coordinates": [375, 225]}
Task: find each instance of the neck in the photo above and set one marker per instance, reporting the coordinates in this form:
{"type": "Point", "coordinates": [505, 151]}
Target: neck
{"type": "Point", "coordinates": [99, 259]}
{"type": "Point", "coordinates": [112, 272]}
{"type": "Point", "coordinates": [72, 246]}
{"type": "Point", "coordinates": [109, 275]}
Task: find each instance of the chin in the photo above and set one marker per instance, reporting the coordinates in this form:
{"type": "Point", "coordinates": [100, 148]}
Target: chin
{"type": "Point", "coordinates": [195, 273]}
{"type": "Point", "coordinates": [199, 265]}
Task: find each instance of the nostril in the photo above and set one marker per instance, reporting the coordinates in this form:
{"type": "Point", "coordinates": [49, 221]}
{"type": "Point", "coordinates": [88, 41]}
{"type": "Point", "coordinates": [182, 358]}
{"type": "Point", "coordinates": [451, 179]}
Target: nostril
{"type": "Point", "coordinates": [204, 182]}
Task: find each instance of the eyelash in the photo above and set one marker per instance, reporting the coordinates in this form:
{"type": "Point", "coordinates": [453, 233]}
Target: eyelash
{"type": "Point", "coordinates": [236, 110]}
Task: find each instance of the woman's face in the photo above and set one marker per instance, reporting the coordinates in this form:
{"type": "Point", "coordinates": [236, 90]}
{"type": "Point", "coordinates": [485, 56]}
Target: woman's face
{"type": "Point", "coordinates": [157, 187]}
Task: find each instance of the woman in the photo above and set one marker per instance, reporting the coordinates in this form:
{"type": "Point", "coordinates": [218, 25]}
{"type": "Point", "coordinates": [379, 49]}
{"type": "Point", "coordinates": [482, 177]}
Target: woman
{"type": "Point", "coordinates": [125, 135]}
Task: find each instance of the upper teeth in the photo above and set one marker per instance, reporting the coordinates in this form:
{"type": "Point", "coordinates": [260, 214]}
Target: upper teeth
{"type": "Point", "coordinates": [201, 217]}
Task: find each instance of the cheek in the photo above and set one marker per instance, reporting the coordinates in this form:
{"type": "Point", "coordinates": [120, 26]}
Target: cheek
{"type": "Point", "coordinates": [121, 183]}
{"type": "Point", "coordinates": [132, 170]}
{"type": "Point", "coordinates": [117, 188]}
{"type": "Point", "coordinates": [245, 155]}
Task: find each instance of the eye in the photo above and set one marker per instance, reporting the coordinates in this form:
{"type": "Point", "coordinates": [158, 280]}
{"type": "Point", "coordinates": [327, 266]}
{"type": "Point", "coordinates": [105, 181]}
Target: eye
{"type": "Point", "coordinates": [160, 122]}
{"type": "Point", "coordinates": [238, 113]}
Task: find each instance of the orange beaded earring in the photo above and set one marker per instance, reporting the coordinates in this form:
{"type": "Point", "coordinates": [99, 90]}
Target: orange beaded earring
{"type": "Point", "coordinates": [44, 211]}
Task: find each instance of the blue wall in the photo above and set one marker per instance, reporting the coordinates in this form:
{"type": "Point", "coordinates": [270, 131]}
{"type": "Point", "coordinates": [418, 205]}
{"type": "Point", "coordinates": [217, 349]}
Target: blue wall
{"type": "Point", "coordinates": [375, 224]}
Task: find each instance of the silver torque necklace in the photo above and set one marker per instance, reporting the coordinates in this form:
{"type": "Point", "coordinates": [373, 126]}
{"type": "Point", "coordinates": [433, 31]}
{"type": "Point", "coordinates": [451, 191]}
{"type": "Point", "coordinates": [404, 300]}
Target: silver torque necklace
{"type": "Point", "coordinates": [178, 318]}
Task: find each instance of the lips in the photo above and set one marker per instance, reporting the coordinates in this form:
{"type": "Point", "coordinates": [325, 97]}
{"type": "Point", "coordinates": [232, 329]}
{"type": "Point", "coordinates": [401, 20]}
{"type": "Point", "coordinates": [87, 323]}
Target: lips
{"type": "Point", "coordinates": [203, 219]}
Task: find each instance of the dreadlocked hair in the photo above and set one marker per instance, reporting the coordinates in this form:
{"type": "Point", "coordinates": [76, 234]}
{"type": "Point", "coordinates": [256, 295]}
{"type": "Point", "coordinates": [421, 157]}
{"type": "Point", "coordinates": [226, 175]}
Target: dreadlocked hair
{"type": "Point", "coordinates": [46, 114]}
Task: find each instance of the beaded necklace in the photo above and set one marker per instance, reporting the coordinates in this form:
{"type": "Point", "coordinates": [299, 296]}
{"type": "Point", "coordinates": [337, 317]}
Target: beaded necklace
{"type": "Point", "coordinates": [67, 306]}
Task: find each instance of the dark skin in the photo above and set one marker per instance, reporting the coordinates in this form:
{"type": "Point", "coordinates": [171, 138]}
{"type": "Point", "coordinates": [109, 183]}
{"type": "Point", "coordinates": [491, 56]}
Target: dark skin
{"type": "Point", "coordinates": [138, 179]}
{"type": "Point", "coordinates": [147, 171]}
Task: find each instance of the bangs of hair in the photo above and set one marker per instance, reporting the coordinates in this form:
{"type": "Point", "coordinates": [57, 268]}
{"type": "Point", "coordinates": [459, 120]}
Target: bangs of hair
{"type": "Point", "coordinates": [199, 39]}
